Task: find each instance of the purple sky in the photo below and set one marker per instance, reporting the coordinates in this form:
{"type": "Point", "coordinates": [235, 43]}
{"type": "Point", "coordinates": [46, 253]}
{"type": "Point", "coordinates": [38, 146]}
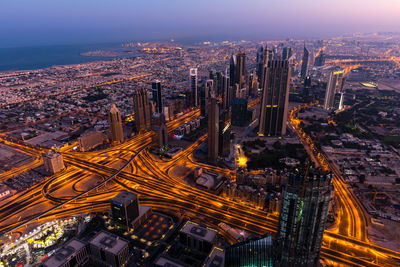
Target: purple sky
{"type": "Point", "coordinates": [38, 22]}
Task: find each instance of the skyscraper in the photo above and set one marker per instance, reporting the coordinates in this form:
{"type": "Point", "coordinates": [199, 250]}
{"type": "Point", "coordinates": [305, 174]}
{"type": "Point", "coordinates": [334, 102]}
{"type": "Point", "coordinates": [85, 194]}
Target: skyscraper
{"type": "Point", "coordinates": [193, 85]}
{"type": "Point", "coordinates": [157, 97]}
{"type": "Point", "coordinates": [286, 53]}
{"type": "Point", "coordinates": [226, 92]}
{"type": "Point", "coordinates": [237, 69]}
{"type": "Point", "coordinates": [333, 86]}
{"type": "Point", "coordinates": [114, 117]}
{"type": "Point", "coordinates": [304, 64]}
{"type": "Point", "coordinates": [206, 92]}
{"type": "Point", "coordinates": [142, 108]}
{"type": "Point", "coordinates": [159, 127]}
{"type": "Point", "coordinates": [275, 98]}
{"type": "Point", "coordinates": [258, 252]}
{"type": "Point", "coordinates": [224, 133]}
{"type": "Point", "coordinates": [303, 214]}
{"type": "Point", "coordinates": [320, 59]}
{"type": "Point", "coordinates": [213, 129]}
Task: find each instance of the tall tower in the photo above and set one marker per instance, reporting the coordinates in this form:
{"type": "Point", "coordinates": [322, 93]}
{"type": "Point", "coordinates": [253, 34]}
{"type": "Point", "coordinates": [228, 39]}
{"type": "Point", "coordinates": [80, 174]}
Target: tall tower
{"type": "Point", "coordinates": [213, 129]}
{"type": "Point", "coordinates": [193, 85]}
{"type": "Point", "coordinates": [207, 92]}
{"type": "Point", "coordinates": [286, 53]}
{"type": "Point", "coordinates": [333, 86]}
{"type": "Point", "coordinates": [142, 108]}
{"type": "Point", "coordinates": [304, 209]}
{"type": "Point", "coordinates": [114, 117]}
{"type": "Point", "coordinates": [275, 99]}
{"type": "Point", "coordinates": [157, 97]}
{"type": "Point", "coordinates": [304, 63]}
{"type": "Point", "coordinates": [241, 70]}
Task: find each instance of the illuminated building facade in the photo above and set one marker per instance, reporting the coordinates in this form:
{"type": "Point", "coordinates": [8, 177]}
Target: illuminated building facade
{"type": "Point", "coordinates": [275, 99]}
{"type": "Point", "coordinates": [53, 162]}
{"type": "Point", "coordinates": [303, 213]}
{"type": "Point", "coordinates": [224, 135]}
{"type": "Point", "coordinates": [251, 253]}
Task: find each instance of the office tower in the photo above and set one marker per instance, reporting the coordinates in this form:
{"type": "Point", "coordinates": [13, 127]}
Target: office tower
{"type": "Point", "coordinates": [206, 92]}
{"type": "Point", "coordinates": [253, 85]}
{"type": "Point", "coordinates": [142, 108]}
{"type": "Point", "coordinates": [114, 117]}
{"type": "Point", "coordinates": [275, 98]}
{"type": "Point", "coordinates": [341, 102]}
{"type": "Point", "coordinates": [286, 53]}
{"type": "Point", "coordinates": [213, 129]}
{"type": "Point", "coordinates": [159, 127]}
{"type": "Point", "coordinates": [238, 71]}
{"type": "Point", "coordinates": [333, 86]}
{"type": "Point", "coordinates": [224, 133]}
{"type": "Point", "coordinates": [304, 63]}
{"type": "Point", "coordinates": [53, 162]}
{"type": "Point", "coordinates": [124, 209]}
{"type": "Point", "coordinates": [240, 113]}
{"type": "Point", "coordinates": [72, 253]}
{"type": "Point", "coordinates": [107, 249]}
{"type": "Point", "coordinates": [157, 97]}
{"type": "Point", "coordinates": [307, 86]}
{"type": "Point", "coordinates": [320, 59]}
{"type": "Point", "coordinates": [193, 85]}
{"type": "Point", "coordinates": [225, 90]}
{"type": "Point", "coordinates": [303, 213]}
{"type": "Point", "coordinates": [241, 70]}
{"type": "Point", "coordinates": [258, 252]}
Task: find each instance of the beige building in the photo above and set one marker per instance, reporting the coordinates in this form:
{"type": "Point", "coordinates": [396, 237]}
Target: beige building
{"type": "Point", "coordinates": [53, 162]}
{"type": "Point", "coordinates": [114, 116]}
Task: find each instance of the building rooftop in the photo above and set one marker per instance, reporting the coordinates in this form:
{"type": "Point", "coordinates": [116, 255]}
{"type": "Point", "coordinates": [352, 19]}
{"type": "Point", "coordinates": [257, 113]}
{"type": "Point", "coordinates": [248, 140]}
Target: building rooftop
{"type": "Point", "coordinates": [216, 258]}
{"type": "Point", "coordinates": [124, 197]}
{"type": "Point", "coordinates": [164, 262]}
{"type": "Point", "coordinates": [199, 232]}
{"type": "Point", "coordinates": [109, 242]}
{"type": "Point", "coordinates": [63, 254]}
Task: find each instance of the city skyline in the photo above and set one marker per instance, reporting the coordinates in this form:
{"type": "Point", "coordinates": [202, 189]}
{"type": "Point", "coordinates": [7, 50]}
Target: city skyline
{"type": "Point", "coordinates": [26, 23]}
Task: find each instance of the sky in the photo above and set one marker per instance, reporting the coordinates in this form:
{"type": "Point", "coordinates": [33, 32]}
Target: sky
{"type": "Point", "coordinates": [48, 22]}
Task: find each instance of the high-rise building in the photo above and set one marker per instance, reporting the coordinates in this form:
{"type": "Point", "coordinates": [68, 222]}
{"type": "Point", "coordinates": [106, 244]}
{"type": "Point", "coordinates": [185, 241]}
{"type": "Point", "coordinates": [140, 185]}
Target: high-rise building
{"type": "Point", "coordinates": [142, 108]}
{"type": "Point", "coordinates": [224, 133]}
{"type": "Point", "coordinates": [206, 93]}
{"type": "Point", "coordinates": [320, 59]}
{"type": "Point", "coordinates": [238, 71]}
{"type": "Point", "coordinates": [53, 162]}
{"type": "Point", "coordinates": [333, 87]}
{"type": "Point", "coordinates": [304, 63]}
{"type": "Point", "coordinates": [258, 252]}
{"type": "Point", "coordinates": [159, 127]}
{"type": "Point", "coordinates": [286, 53]}
{"type": "Point", "coordinates": [114, 117]}
{"type": "Point", "coordinates": [193, 85]}
{"type": "Point", "coordinates": [253, 85]}
{"type": "Point", "coordinates": [275, 99]}
{"type": "Point", "coordinates": [303, 213]}
{"type": "Point", "coordinates": [213, 129]}
{"type": "Point", "coordinates": [125, 209]}
{"type": "Point", "coordinates": [240, 114]}
{"type": "Point", "coordinates": [72, 253]}
{"type": "Point", "coordinates": [157, 97]}
{"type": "Point", "coordinates": [226, 91]}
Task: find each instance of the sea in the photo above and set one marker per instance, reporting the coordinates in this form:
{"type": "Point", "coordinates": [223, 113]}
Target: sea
{"type": "Point", "coordinates": [39, 57]}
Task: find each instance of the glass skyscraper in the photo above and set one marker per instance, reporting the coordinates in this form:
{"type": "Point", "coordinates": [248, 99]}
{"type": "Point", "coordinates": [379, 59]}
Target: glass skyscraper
{"type": "Point", "coordinates": [304, 209]}
{"type": "Point", "coordinates": [251, 253]}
